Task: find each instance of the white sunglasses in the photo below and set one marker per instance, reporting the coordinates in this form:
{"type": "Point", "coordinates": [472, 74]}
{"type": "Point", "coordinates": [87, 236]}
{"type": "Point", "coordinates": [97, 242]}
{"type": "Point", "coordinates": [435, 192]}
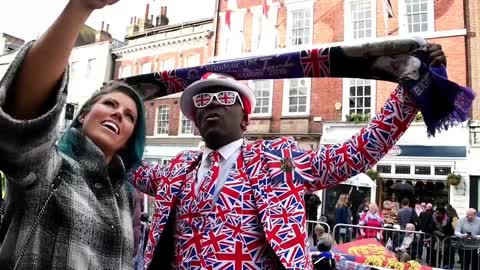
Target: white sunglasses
{"type": "Point", "coordinates": [226, 98]}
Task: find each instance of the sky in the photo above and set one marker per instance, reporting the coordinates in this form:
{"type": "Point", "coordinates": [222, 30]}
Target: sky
{"type": "Point", "coordinates": [27, 19]}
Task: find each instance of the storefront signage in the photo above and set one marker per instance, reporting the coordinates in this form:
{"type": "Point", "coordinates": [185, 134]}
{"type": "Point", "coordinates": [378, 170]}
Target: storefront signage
{"type": "Point", "coordinates": [395, 151]}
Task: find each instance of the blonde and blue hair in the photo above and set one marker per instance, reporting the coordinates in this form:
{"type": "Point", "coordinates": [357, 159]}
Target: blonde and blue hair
{"type": "Point", "coordinates": [132, 153]}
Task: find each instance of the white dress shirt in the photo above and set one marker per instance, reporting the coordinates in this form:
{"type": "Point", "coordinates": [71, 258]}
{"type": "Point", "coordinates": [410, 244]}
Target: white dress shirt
{"type": "Point", "coordinates": [228, 156]}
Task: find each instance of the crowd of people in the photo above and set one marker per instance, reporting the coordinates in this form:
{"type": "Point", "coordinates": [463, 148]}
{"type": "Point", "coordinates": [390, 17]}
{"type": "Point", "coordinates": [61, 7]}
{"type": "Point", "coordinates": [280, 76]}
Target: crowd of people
{"type": "Point", "coordinates": [434, 233]}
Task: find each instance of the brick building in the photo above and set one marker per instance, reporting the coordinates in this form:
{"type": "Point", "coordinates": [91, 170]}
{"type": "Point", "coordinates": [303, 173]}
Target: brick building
{"type": "Point", "coordinates": [154, 45]}
{"type": "Point", "coordinates": [472, 19]}
{"type": "Point", "coordinates": [315, 111]}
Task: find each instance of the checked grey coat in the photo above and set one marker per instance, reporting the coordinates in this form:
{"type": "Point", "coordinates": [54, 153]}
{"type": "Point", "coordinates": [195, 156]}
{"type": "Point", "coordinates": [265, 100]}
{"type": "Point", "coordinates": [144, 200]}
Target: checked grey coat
{"type": "Point", "coordinates": [87, 223]}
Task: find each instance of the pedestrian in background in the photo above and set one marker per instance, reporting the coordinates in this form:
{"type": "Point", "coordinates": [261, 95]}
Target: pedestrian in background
{"type": "Point", "coordinates": [468, 231]}
{"type": "Point", "coordinates": [371, 219]}
{"type": "Point", "coordinates": [343, 215]}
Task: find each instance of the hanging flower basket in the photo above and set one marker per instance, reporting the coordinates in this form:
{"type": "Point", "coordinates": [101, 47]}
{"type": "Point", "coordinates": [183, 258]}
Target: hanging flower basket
{"type": "Point", "coordinates": [454, 179]}
{"type": "Point", "coordinates": [374, 175]}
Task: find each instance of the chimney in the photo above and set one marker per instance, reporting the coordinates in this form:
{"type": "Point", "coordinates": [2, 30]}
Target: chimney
{"type": "Point", "coordinates": [108, 26]}
{"type": "Point", "coordinates": [132, 27]}
{"type": "Point", "coordinates": [103, 35]}
{"type": "Point", "coordinates": [145, 22]}
{"type": "Point", "coordinates": [163, 16]}
{"type": "Point", "coordinates": [146, 11]}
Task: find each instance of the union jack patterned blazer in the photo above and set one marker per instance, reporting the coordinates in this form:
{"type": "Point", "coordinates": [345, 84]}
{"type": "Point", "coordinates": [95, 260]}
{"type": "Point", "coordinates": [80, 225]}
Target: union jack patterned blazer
{"type": "Point", "coordinates": [277, 174]}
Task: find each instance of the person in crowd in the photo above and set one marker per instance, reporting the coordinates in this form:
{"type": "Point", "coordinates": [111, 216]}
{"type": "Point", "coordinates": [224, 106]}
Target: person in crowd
{"type": "Point", "coordinates": [452, 214]}
{"type": "Point", "coordinates": [76, 190]}
{"type": "Point", "coordinates": [418, 209]}
{"type": "Point", "coordinates": [406, 214]}
{"type": "Point", "coordinates": [241, 196]}
{"type": "Point", "coordinates": [388, 214]}
{"type": "Point", "coordinates": [371, 219]}
{"type": "Point", "coordinates": [321, 234]}
{"type": "Point", "coordinates": [468, 231]}
{"type": "Point", "coordinates": [326, 259]}
{"type": "Point", "coordinates": [362, 209]}
{"type": "Point", "coordinates": [442, 229]}
{"type": "Point", "coordinates": [343, 215]}
{"type": "Point", "coordinates": [312, 202]}
{"type": "Point", "coordinates": [423, 206]}
{"type": "Point", "coordinates": [407, 249]}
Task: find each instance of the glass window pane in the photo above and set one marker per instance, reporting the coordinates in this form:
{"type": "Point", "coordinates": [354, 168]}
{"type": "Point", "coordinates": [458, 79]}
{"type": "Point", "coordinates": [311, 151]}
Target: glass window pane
{"type": "Point", "coordinates": [367, 102]}
{"type": "Point", "coordinates": [367, 90]}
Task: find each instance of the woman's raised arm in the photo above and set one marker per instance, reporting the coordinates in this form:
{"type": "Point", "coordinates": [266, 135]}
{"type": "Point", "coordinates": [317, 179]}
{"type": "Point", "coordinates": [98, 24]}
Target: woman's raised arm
{"type": "Point", "coordinates": [46, 61]}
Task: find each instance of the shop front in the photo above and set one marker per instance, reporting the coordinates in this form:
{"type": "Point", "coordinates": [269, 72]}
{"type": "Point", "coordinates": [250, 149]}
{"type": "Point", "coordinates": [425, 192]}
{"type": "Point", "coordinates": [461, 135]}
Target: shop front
{"type": "Point", "coordinates": [422, 170]}
{"type": "Point", "coordinates": [421, 162]}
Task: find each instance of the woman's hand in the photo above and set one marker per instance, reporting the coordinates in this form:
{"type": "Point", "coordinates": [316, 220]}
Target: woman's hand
{"type": "Point", "coordinates": [92, 4]}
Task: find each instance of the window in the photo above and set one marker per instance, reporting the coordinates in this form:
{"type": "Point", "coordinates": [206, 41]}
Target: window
{"type": "Point", "coordinates": [74, 69]}
{"type": "Point", "coordinates": [193, 60]}
{"type": "Point", "coordinates": [443, 170]}
{"type": "Point", "coordinates": [162, 119]}
{"type": "Point", "coordinates": [126, 71]}
{"type": "Point", "coordinates": [416, 16]}
{"type": "Point", "coordinates": [402, 169]}
{"type": "Point", "coordinates": [90, 68]}
{"type": "Point", "coordinates": [147, 68]}
{"type": "Point", "coordinates": [296, 99]}
{"type": "Point", "coordinates": [160, 161]}
{"type": "Point", "coordinates": [186, 125]}
{"type": "Point", "coordinates": [423, 170]}
{"type": "Point", "coordinates": [168, 64]}
{"type": "Point", "coordinates": [263, 94]}
{"type": "Point", "coordinates": [300, 30]}
{"type": "Point", "coordinates": [360, 19]}
{"type": "Point", "coordinates": [359, 96]}
{"type": "Point", "coordinates": [384, 168]}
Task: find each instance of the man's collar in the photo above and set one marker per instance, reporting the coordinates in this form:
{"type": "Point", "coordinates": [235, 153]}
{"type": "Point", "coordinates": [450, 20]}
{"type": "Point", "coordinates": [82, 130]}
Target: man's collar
{"type": "Point", "coordinates": [225, 151]}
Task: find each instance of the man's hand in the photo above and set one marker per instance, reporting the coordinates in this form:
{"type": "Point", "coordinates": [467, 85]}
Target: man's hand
{"type": "Point", "coordinates": [92, 4]}
{"type": "Point", "coordinates": [436, 55]}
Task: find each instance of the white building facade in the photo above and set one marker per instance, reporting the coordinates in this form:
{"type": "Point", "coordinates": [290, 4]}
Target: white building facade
{"type": "Point", "coordinates": [419, 160]}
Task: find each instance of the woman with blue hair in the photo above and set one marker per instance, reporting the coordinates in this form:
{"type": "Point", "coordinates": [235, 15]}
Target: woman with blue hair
{"type": "Point", "coordinates": [68, 205]}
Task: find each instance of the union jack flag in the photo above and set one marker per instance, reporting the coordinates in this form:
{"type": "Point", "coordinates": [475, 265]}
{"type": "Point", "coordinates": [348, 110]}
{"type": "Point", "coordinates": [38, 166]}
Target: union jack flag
{"type": "Point", "coordinates": [316, 62]}
{"type": "Point", "coordinates": [173, 83]}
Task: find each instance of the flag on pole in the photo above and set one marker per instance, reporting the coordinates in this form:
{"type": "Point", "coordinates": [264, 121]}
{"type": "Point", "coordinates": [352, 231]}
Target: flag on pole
{"type": "Point", "coordinates": [387, 13]}
{"type": "Point", "coordinates": [388, 8]}
{"type": "Point", "coordinates": [228, 14]}
{"type": "Point", "coordinates": [265, 8]}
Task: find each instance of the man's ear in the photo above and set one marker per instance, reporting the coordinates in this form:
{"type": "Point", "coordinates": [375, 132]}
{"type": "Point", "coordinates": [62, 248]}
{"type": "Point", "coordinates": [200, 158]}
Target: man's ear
{"type": "Point", "coordinates": [243, 123]}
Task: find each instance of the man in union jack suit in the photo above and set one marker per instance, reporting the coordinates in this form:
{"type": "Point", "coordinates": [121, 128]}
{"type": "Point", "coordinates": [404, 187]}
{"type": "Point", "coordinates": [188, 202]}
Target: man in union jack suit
{"type": "Point", "coordinates": [238, 204]}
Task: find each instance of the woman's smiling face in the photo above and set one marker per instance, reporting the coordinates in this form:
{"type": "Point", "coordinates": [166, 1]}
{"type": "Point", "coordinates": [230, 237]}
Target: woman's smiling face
{"type": "Point", "coordinates": [110, 122]}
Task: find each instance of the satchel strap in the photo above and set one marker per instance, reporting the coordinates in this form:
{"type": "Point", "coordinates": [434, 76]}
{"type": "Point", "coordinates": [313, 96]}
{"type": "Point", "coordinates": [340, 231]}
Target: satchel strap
{"type": "Point", "coordinates": [53, 187]}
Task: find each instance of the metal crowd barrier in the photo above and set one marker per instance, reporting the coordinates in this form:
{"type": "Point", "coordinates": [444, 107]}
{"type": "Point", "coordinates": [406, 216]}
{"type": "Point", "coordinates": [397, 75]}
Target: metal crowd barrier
{"type": "Point", "coordinates": [407, 245]}
{"type": "Point", "coordinates": [457, 253]}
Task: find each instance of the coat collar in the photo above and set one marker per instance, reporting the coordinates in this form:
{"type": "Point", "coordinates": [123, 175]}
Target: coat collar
{"type": "Point", "coordinates": [92, 159]}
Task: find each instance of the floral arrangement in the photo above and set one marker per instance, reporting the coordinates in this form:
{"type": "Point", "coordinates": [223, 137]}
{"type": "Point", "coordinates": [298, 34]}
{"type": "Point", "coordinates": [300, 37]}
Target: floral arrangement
{"type": "Point", "coordinates": [391, 263]}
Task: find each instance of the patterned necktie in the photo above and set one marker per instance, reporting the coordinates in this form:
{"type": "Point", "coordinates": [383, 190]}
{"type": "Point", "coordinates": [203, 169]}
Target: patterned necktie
{"type": "Point", "coordinates": [208, 185]}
